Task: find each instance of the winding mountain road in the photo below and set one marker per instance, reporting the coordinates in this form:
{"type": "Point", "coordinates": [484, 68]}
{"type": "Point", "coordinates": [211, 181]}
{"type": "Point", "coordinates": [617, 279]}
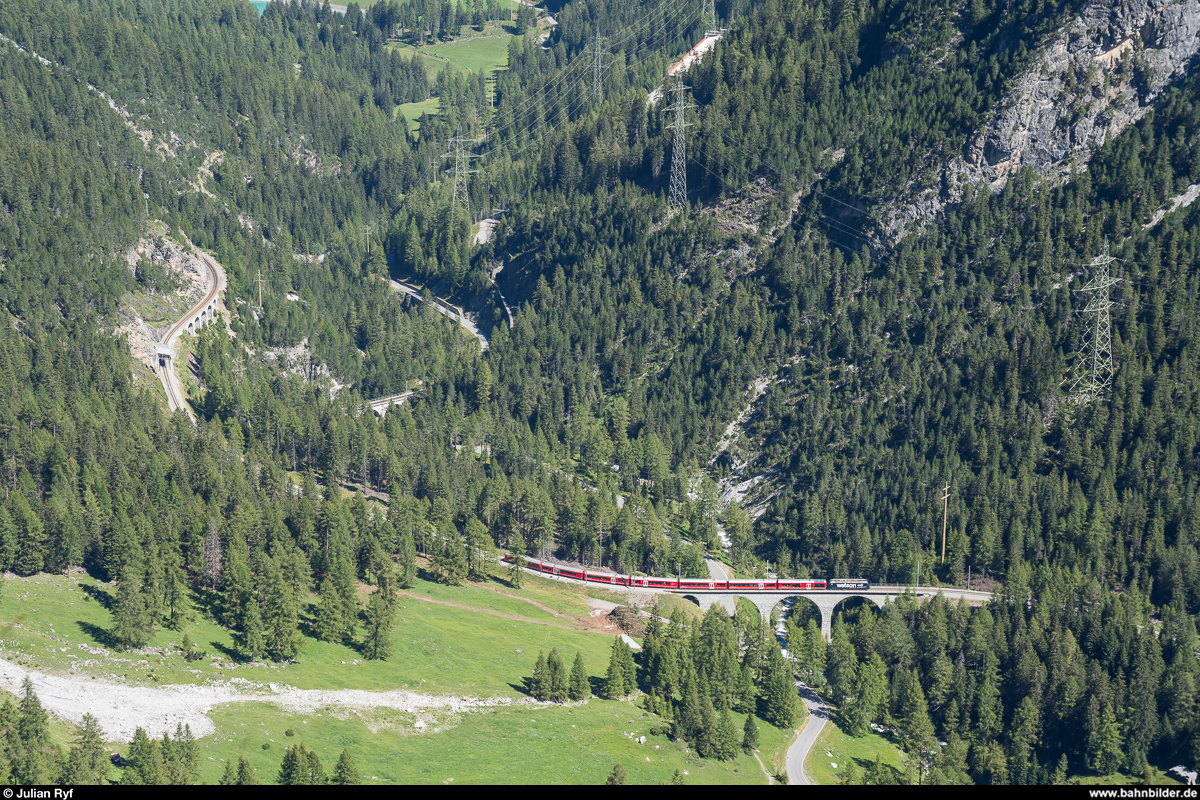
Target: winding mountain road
{"type": "Point", "coordinates": [818, 716]}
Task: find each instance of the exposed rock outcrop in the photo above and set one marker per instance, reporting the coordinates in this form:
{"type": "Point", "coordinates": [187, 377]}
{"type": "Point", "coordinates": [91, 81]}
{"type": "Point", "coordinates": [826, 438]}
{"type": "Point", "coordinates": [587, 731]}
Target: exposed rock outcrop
{"type": "Point", "coordinates": [1097, 75]}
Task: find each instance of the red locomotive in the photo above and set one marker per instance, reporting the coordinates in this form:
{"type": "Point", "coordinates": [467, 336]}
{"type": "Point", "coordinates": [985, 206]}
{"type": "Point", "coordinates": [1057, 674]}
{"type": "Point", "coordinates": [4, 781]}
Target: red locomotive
{"type": "Point", "coordinates": [695, 584]}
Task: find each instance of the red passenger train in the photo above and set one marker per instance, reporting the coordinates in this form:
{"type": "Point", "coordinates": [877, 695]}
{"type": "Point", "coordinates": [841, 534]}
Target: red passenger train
{"type": "Point", "coordinates": [694, 584]}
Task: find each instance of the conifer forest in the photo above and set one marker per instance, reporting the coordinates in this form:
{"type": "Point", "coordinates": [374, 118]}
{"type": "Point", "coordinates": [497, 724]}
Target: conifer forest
{"type": "Point", "coordinates": [902, 291]}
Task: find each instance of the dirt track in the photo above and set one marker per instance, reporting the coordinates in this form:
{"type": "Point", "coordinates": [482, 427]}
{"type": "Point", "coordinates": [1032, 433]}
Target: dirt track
{"type": "Point", "coordinates": [121, 709]}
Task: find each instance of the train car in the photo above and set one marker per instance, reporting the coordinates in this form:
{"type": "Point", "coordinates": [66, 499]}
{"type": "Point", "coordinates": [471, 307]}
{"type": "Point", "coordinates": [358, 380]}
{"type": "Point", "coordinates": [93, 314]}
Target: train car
{"type": "Point", "coordinates": [696, 583]}
{"type": "Point", "coordinates": [799, 585]}
{"type": "Point", "coordinates": [637, 580]}
{"type": "Point", "coordinates": [604, 577]}
{"type": "Point", "coordinates": [662, 583]}
{"type": "Point", "coordinates": [849, 584]}
{"type": "Point", "coordinates": [568, 572]}
{"type": "Point", "coordinates": [750, 585]}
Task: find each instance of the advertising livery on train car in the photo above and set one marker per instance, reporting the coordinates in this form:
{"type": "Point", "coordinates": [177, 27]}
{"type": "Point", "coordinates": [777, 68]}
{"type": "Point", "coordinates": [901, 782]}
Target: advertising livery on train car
{"type": "Point", "coordinates": [695, 584]}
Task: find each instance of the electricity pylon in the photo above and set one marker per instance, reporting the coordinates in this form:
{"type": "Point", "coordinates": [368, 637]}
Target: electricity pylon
{"type": "Point", "coordinates": [462, 168]}
{"type": "Point", "coordinates": [1094, 368]}
{"type": "Point", "coordinates": [598, 54]}
{"type": "Point", "coordinates": [677, 199]}
{"type": "Point", "coordinates": [710, 15]}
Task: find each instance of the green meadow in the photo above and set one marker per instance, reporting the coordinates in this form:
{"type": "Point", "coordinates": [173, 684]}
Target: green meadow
{"type": "Point", "coordinates": [475, 640]}
{"type": "Point", "coordinates": [527, 744]}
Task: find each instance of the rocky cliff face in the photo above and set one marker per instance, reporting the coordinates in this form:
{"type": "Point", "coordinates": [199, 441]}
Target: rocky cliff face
{"type": "Point", "coordinates": [1097, 75]}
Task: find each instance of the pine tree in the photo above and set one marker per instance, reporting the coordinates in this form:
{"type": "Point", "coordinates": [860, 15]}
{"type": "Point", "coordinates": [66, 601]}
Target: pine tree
{"type": "Point", "coordinates": [131, 617]}
{"type": "Point", "coordinates": [245, 773]}
{"type": "Point", "coordinates": [556, 673]}
{"type": "Point", "coordinates": [750, 734]}
{"type": "Point", "coordinates": [579, 688]}
{"type": "Point", "coordinates": [617, 777]}
{"type": "Point", "coordinates": [345, 773]}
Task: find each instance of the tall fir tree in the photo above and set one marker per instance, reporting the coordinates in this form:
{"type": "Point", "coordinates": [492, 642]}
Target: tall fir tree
{"type": "Point", "coordinates": [131, 616]}
{"type": "Point", "coordinates": [579, 688]}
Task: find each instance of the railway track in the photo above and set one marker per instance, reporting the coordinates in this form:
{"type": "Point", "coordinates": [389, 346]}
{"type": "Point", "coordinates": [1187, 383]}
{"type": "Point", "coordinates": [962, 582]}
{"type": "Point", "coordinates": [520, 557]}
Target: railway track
{"type": "Point", "coordinates": [200, 312]}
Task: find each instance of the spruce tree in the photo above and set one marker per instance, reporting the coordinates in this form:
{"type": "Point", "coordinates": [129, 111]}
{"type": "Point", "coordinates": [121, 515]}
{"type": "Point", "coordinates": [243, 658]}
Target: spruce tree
{"type": "Point", "coordinates": [408, 561]}
{"type": "Point", "coordinates": [381, 618]}
{"type": "Point", "coordinates": [617, 777]}
{"type": "Point", "coordinates": [86, 763]}
{"type": "Point", "coordinates": [229, 776]}
{"type": "Point", "coordinates": [516, 567]}
{"type": "Point", "coordinates": [250, 638]}
{"type": "Point", "coordinates": [579, 688]}
{"type": "Point", "coordinates": [345, 773]}
{"type": "Point", "coordinates": [246, 775]}
{"type": "Point", "coordinates": [480, 549]}
{"type": "Point", "coordinates": [330, 623]}
{"type": "Point", "coordinates": [616, 679]}
{"type": "Point", "coordinates": [144, 765]}
{"type": "Point", "coordinates": [556, 673]}
{"type": "Point", "coordinates": [779, 690]}
{"type": "Point", "coordinates": [280, 612]}
{"type": "Point", "coordinates": [749, 734]}
{"type": "Point", "coordinates": [450, 558]}
{"type": "Point", "coordinates": [727, 738]}
{"type": "Point", "coordinates": [131, 617]}
{"type": "Point", "coordinates": [538, 683]}
{"type": "Point", "coordinates": [36, 759]}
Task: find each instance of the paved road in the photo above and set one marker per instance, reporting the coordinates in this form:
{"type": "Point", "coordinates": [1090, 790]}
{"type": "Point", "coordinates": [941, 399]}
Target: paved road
{"type": "Point", "coordinates": [818, 716]}
{"type": "Point", "coordinates": [445, 309]}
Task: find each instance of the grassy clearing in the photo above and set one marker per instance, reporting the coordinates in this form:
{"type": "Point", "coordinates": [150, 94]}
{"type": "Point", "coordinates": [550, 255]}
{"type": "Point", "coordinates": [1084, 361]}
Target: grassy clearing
{"type": "Point", "coordinates": [835, 746]}
{"type": "Point", "coordinates": [470, 647]}
{"type": "Point", "coordinates": [433, 64]}
{"type": "Point", "coordinates": [478, 54]}
{"type": "Point", "coordinates": [413, 111]}
{"type": "Point", "coordinates": [542, 744]}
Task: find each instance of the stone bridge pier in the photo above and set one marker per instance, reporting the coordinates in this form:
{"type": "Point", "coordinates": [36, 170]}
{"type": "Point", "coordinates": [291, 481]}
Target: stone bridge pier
{"type": "Point", "coordinates": [826, 602]}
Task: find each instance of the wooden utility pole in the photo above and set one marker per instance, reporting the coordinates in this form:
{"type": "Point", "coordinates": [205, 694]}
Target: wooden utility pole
{"type": "Point", "coordinates": [945, 505]}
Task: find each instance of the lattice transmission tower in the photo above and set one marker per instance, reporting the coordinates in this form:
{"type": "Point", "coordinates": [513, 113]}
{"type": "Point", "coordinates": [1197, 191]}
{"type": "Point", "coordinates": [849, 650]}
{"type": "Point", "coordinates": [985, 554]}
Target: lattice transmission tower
{"type": "Point", "coordinates": [710, 16]}
{"type": "Point", "coordinates": [456, 148]}
{"type": "Point", "coordinates": [598, 55]}
{"type": "Point", "coordinates": [1094, 368]}
{"type": "Point", "coordinates": [677, 199]}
